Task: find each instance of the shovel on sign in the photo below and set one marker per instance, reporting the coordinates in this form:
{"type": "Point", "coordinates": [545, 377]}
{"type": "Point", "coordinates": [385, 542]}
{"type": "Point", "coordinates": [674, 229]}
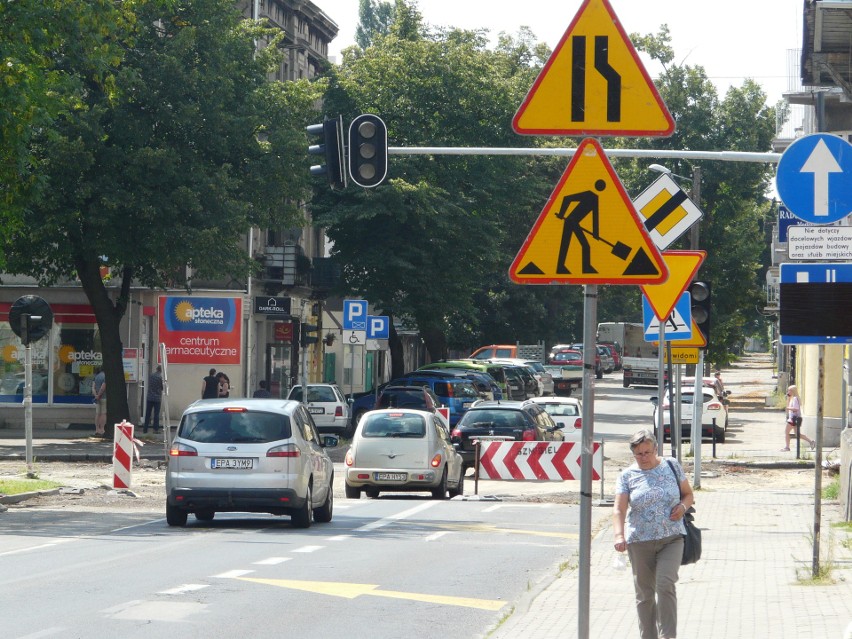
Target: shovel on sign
{"type": "Point", "coordinates": [619, 249]}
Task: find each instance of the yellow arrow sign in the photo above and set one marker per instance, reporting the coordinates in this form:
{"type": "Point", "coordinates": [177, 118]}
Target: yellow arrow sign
{"type": "Point", "coordinates": [588, 232]}
{"type": "Point", "coordinates": [594, 84]}
{"type": "Point", "coordinates": [682, 265]}
{"type": "Point", "coordinates": [351, 591]}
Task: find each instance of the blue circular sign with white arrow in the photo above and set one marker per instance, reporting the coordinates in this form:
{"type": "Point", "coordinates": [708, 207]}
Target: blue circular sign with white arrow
{"type": "Point", "coordinates": [814, 178]}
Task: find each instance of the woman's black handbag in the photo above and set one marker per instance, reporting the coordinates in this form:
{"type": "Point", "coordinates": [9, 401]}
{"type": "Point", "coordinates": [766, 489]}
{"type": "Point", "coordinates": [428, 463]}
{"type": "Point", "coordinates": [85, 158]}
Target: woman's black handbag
{"type": "Point", "coordinates": [692, 538]}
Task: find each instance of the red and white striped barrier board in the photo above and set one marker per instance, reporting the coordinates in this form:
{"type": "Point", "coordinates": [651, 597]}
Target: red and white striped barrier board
{"type": "Point", "coordinates": [535, 461]}
{"type": "Point", "coordinates": [122, 455]}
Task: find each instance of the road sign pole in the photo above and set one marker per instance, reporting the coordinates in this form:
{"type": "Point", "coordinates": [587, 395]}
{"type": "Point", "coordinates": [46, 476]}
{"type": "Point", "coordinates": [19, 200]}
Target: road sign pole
{"type": "Point", "coordinates": [590, 319]}
{"type": "Point", "coordinates": [695, 432]}
{"type": "Point", "coordinates": [818, 460]}
{"type": "Point", "coordinates": [28, 403]}
{"type": "Point", "coordinates": [661, 385]}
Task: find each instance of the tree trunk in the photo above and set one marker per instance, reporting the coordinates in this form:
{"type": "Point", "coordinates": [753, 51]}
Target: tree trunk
{"type": "Point", "coordinates": [396, 351]}
{"type": "Point", "coordinates": [108, 316]}
{"type": "Point", "coordinates": [436, 343]}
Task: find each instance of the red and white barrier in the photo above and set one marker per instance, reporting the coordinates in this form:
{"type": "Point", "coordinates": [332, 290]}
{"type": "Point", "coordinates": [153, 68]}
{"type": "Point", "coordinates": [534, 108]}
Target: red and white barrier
{"type": "Point", "coordinates": [122, 455]}
{"type": "Point", "coordinates": [536, 461]}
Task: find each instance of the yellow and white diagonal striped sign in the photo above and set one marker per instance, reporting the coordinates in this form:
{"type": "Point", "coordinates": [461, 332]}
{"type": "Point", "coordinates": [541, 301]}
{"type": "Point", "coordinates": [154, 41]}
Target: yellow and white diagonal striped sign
{"type": "Point", "coordinates": [666, 211]}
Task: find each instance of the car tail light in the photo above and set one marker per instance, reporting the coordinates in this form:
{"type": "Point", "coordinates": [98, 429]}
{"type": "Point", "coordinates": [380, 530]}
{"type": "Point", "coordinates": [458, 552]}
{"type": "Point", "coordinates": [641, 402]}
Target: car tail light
{"type": "Point", "coordinates": [436, 461]}
{"type": "Point", "coordinates": [350, 458]}
{"type": "Point", "coordinates": [182, 450]}
{"type": "Point", "coordinates": [714, 406]}
{"type": "Point", "coordinates": [449, 390]}
{"type": "Point", "coordinates": [234, 409]}
{"type": "Point", "coordinates": [285, 450]}
{"type": "Point", "coordinates": [578, 423]}
{"type": "Point", "coordinates": [456, 434]}
{"type": "Point", "coordinates": [338, 412]}
{"type": "Point", "coordinates": [528, 436]}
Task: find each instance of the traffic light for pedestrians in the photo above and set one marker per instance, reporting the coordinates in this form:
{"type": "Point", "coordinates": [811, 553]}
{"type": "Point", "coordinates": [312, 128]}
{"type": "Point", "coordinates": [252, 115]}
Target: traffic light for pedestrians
{"type": "Point", "coordinates": [701, 296]}
{"type": "Point", "coordinates": [332, 149]}
{"type": "Point", "coordinates": [368, 150]}
{"type": "Point", "coordinates": [309, 334]}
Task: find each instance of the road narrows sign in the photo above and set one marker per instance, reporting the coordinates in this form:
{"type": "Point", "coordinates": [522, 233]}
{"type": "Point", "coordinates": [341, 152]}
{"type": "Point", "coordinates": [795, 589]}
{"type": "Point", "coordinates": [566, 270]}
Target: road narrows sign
{"type": "Point", "coordinates": [588, 232]}
{"type": "Point", "coordinates": [594, 84]}
{"type": "Point", "coordinates": [682, 265]}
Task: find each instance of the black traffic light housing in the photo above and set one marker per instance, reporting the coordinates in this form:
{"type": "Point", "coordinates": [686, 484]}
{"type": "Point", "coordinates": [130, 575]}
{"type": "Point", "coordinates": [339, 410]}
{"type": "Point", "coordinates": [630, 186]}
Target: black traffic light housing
{"type": "Point", "coordinates": [368, 150]}
{"type": "Point", "coordinates": [332, 149]}
{"type": "Point", "coordinates": [30, 318]}
{"type": "Point", "coordinates": [701, 294]}
{"type": "Point", "coordinates": [308, 334]}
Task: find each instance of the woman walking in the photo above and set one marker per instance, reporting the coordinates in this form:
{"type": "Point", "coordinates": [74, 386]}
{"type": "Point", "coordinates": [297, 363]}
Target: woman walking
{"type": "Point", "coordinates": [651, 497]}
{"type": "Point", "coordinates": [794, 418]}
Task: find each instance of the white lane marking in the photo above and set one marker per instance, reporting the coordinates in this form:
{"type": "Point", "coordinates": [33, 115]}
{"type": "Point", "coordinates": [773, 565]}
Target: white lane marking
{"type": "Point", "coordinates": [39, 547]}
{"type": "Point", "coordinates": [147, 523]}
{"type": "Point", "coordinates": [232, 574]}
{"type": "Point", "coordinates": [496, 506]}
{"type": "Point", "coordinates": [339, 538]}
{"type": "Point", "coordinates": [380, 523]}
{"type": "Point", "coordinates": [272, 561]}
{"type": "Point", "coordinates": [308, 549]}
{"type": "Point", "coordinates": [184, 588]}
{"type": "Point", "coordinates": [122, 607]}
{"type": "Point", "coordinates": [436, 536]}
{"type": "Point", "coordinates": [47, 632]}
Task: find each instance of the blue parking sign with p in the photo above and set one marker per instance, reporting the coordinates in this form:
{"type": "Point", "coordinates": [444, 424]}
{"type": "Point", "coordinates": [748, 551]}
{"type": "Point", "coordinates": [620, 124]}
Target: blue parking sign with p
{"type": "Point", "coordinates": [355, 315]}
{"type": "Point", "coordinates": [378, 327]}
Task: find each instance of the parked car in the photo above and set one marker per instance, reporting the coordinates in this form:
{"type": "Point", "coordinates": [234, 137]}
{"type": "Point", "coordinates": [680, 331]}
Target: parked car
{"type": "Point", "coordinates": [495, 371]}
{"type": "Point", "coordinates": [485, 385]}
{"type": "Point", "coordinates": [613, 352]}
{"type": "Point", "coordinates": [544, 377]}
{"type": "Point", "coordinates": [388, 396]}
{"type": "Point", "coordinates": [516, 368]}
{"type": "Point", "coordinates": [566, 378]}
{"type": "Point", "coordinates": [607, 362]}
{"type": "Point", "coordinates": [712, 409]}
{"type": "Point", "coordinates": [326, 405]}
{"type": "Point", "coordinates": [569, 355]}
{"type": "Point", "coordinates": [249, 455]}
{"type": "Point", "coordinates": [403, 450]}
{"type": "Point", "coordinates": [567, 412]}
{"type": "Point", "coordinates": [522, 421]}
{"type": "Point", "coordinates": [457, 394]}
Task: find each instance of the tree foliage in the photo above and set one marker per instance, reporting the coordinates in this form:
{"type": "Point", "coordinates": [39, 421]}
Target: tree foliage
{"type": "Point", "coordinates": [165, 162]}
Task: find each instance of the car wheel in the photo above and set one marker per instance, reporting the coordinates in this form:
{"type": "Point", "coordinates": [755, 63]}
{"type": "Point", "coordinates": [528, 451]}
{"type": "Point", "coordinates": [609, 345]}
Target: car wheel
{"type": "Point", "coordinates": [459, 489]}
{"type": "Point", "coordinates": [441, 491]}
{"type": "Point", "coordinates": [303, 517]}
{"type": "Point", "coordinates": [720, 435]}
{"type": "Point", "coordinates": [372, 493]}
{"type": "Point", "coordinates": [205, 515]}
{"type": "Point", "coordinates": [352, 492]}
{"type": "Point", "coordinates": [324, 513]}
{"type": "Point", "coordinates": [626, 384]}
{"type": "Point", "coordinates": [175, 516]}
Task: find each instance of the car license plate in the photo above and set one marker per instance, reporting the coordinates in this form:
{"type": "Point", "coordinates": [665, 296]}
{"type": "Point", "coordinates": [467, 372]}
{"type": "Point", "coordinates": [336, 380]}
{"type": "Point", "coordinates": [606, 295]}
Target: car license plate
{"type": "Point", "coordinates": [467, 404]}
{"type": "Point", "coordinates": [316, 410]}
{"type": "Point", "coordinates": [389, 476]}
{"type": "Point", "coordinates": [240, 463]}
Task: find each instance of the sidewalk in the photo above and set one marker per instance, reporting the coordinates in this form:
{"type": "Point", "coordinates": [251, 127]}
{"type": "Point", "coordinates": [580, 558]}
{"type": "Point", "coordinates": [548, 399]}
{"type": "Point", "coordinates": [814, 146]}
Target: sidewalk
{"type": "Point", "coordinates": [757, 549]}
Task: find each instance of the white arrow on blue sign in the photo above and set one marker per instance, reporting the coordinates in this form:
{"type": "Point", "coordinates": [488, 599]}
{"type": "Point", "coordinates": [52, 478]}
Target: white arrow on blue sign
{"type": "Point", "coordinates": [814, 178]}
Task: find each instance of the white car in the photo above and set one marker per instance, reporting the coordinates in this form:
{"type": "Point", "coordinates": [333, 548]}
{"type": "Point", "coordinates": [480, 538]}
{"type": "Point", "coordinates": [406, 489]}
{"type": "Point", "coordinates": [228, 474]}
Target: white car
{"type": "Point", "coordinates": [326, 405]}
{"type": "Point", "coordinates": [403, 450]}
{"type": "Point", "coordinates": [567, 412]}
{"type": "Point", "coordinates": [713, 410]}
{"type": "Point", "coordinates": [249, 455]}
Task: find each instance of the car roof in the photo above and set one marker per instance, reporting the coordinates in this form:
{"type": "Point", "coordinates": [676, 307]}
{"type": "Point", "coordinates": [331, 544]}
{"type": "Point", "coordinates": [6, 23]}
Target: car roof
{"type": "Point", "coordinates": [555, 399]}
{"type": "Point", "coordinates": [408, 411]}
{"type": "Point", "coordinates": [507, 404]}
{"type": "Point", "coordinates": [249, 403]}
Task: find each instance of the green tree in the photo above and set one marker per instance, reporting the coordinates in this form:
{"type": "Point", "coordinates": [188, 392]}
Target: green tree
{"type": "Point", "coordinates": [374, 19]}
{"type": "Point", "coordinates": [165, 165]}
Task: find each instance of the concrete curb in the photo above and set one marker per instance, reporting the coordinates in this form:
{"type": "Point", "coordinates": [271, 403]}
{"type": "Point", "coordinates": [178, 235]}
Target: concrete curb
{"type": "Point", "coordinates": [15, 499]}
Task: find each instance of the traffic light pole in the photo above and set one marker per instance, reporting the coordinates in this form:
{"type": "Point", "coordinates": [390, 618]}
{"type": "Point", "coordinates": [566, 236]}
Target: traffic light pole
{"type": "Point", "coordinates": [28, 392]}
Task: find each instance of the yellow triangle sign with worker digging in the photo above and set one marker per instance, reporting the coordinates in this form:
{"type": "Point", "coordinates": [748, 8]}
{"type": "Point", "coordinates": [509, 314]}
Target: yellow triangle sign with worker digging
{"type": "Point", "coordinates": [594, 84]}
{"type": "Point", "coordinates": [588, 232]}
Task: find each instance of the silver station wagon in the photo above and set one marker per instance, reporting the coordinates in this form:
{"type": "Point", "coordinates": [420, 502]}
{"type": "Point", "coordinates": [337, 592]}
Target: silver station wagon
{"type": "Point", "coordinates": [249, 455]}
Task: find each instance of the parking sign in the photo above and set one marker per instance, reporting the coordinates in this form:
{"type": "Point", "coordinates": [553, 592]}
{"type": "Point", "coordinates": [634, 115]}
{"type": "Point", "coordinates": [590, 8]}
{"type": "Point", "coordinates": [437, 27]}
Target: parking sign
{"type": "Point", "coordinates": [355, 315]}
{"type": "Point", "coordinates": [378, 327]}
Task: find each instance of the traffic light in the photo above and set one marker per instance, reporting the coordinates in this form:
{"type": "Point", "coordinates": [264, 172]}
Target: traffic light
{"type": "Point", "coordinates": [309, 334]}
{"type": "Point", "coordinates": [701, 296]}
{"type": "Point", "coordinates": [368, 150]}
{"type": "Point", "coordinates": [332, 148]}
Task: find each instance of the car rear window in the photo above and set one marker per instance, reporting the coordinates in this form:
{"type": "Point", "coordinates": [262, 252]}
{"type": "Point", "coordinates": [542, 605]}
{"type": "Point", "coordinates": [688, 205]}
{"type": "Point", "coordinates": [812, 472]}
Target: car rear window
{"type": "Point", "coordinates": [402, 399]}
{"type": "Point", "coordinates": [393, 425]}
{"type": "Point", "coordinates": [495, 418]}
{"type": "Point", "coordinates": [561, 410]}
{"type": "Point", "coordinates": [220, 427]}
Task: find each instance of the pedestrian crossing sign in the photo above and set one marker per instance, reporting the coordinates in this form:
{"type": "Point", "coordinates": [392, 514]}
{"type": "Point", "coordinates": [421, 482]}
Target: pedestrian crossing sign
{"type": "Point", "coordinates": [588, 232]}
{"type": "Point", "coordinates": [594, 84]}
{"type": "Point", "coordinates": [677, 325]}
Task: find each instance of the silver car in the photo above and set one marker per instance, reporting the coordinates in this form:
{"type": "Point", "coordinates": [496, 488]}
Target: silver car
{"type": "Point", "coordinates": [249, 455]}
{"type": "Point", "coordinates": [403, 450]}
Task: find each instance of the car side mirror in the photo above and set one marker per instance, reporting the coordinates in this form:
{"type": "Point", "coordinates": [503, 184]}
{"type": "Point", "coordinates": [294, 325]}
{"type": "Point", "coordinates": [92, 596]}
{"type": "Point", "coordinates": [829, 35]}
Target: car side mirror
{"type": "Point", "coordinates": [330, 441]}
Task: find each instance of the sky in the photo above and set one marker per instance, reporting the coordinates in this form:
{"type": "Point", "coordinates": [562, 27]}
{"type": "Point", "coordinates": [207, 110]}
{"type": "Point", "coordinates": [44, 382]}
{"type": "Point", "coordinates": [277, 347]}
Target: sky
{"type": "Point", "coordinates": [731, 39]}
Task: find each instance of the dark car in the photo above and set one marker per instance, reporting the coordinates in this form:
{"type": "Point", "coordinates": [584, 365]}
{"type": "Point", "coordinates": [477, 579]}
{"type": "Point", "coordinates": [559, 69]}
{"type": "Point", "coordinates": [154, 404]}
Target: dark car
{"type": "Point", "coordinates": [485, 385]}
{"type": "Point", "coordinates": [522, 421]}
{"type": "Point", "coordinates": [391, 396]}
{"type": "Point", "coordinates": [520, 375]}
{"type": "Point", "coordinates": [456, 393]}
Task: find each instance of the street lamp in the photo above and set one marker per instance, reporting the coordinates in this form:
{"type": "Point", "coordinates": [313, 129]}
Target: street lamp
{"type": "Point", "coordinates": [694, 194]}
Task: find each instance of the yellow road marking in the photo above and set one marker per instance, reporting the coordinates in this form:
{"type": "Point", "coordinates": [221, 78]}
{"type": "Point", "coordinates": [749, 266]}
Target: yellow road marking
{"type": "Point", "coordinates": [351, 591]}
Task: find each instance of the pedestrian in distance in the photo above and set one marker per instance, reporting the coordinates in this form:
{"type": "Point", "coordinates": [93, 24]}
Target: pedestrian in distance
{"type": "Point", "coordinates": [794, 419]}
{"type": "Point", "coordinates": [719, 385]}
{"type": "Point", "coordinates": [153, 399]}
{"type": "Point", "coordinates": [100, 400]}
{"type": "Point", "coordinates": [651, 497]}
{"type": "Point", "coordinates": [262, 392]}
{"type": "Point", "coordinates": [210, 386]}
{"type": "Point", "coordinates": [224, 385]}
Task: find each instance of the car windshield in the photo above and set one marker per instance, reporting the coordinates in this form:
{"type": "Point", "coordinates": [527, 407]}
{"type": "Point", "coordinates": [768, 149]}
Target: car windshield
{"type": "Point", "coordinates": [508, 419]}
{"type": "Point", "coordinates": [224, 427]}
{"type": "Point", "coordinates": [393, 425]}
{"type": "Point", "coordinates": [315, 394]}
{"type": "Point", "coordinates": [562, 410]}
{"type": "Point", "coordinates": [537, 367]}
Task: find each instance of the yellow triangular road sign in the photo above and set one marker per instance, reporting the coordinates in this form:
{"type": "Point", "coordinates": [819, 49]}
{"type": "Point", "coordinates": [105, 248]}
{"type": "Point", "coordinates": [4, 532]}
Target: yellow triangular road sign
{"type": "Point", "coordinates": [682, 265]}
{"type": "Point", "coordinates": [594, 84]}
{"type": "Point", "coordinates": [588, 232]}
{"type": "Point", "coordinates": [696, 341]}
